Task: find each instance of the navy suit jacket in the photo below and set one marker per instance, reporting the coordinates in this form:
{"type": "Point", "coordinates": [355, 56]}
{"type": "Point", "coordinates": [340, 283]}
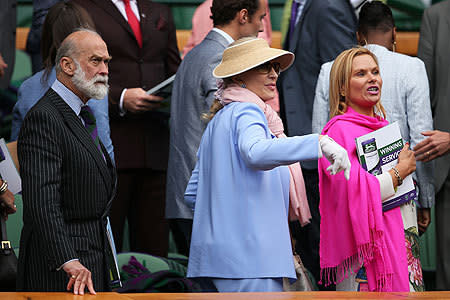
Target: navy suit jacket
{"type": "Point", "coordinates": [325, 29]}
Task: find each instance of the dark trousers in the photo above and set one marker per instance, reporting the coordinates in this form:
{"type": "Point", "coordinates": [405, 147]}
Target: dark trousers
{"type": "Point", "coordinates": [141, 199]}
{"type": "Point", "coordinates": [442, 210]}
{"type": "Point", "coordinates": [308, 237]}
{"type": "Point", "coordinates": [181, 230]}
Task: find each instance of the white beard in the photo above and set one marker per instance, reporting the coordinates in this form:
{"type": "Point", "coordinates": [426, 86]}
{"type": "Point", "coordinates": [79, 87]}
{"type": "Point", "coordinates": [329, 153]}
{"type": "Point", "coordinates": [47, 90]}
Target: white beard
{"type": "Point", "coordinates": [96, 88]}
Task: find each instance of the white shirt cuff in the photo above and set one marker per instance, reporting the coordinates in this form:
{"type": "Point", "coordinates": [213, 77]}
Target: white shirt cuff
{"type": "Point", "coordinates": [62, 266]}
{"type": "Point", "coordinates": [386, 186]}
{"type": "Point", "coordinates": [122, 110]}
{"type": "Point", "coordinates": [320, 148]}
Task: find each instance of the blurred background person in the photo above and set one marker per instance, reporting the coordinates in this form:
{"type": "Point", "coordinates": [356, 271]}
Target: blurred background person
{"type": "Point", "coordinates": [318, 31]}
{"type": "Point", "coordinates": [141, 38]}
{"type": "Point", "coordinates": [247, 177]}
{"type": "Point", "coordinates": [202, 23]}
{"type": "Point", "coordinates": [433, 50]}
{"type": "Point", "coordinates": [62, 19]}
{"type": "Point", "coordinates": [33, 45]}
{"type": "Point", "coordinates": [363, 248]}
{"type": "Point", "coordinates": [7, 54]}
{"type": "Point", "coordinates": [405, 94]}
{"type": "Point", "coordinates": [192, 96]}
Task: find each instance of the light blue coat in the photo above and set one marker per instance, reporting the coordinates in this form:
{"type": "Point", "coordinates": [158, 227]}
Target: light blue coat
{"type": "Point", "coordinates": [32, 90]}
{"type": "Point", "coordinates": [240, 191]}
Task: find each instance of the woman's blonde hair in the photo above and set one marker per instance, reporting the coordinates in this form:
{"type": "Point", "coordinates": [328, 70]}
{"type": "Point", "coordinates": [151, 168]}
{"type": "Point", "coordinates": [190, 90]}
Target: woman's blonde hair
{"type": "Point", "coordinates": [340, 75]}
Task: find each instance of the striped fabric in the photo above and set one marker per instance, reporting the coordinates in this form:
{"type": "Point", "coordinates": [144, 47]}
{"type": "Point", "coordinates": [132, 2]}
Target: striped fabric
{"type": "Point", "coordinates": [90, 124]}
{"type": "Point", "coordinates": [67, 191]}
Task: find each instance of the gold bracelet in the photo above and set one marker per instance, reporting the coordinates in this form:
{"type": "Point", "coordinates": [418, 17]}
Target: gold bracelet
{"type": "Point", "coordinates": [3, 187]}
{"type": "Point", "coordinates": [397, 175]}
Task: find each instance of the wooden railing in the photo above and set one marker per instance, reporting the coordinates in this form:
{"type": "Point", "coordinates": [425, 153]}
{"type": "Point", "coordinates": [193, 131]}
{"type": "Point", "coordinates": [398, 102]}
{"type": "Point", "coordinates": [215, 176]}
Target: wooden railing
{"type": "Point", "coordinates": [230, 296]}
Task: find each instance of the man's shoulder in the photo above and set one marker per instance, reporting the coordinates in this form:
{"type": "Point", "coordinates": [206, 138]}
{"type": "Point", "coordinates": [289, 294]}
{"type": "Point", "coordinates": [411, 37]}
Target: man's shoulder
{"type": "Point", "coordinates": [438, 9]}
{"type": "Point", "coordinates": [208, 51]}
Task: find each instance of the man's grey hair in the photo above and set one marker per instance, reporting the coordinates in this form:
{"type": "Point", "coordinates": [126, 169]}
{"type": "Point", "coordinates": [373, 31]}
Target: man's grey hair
{"type": "Point", "coordinates": [68, 48]}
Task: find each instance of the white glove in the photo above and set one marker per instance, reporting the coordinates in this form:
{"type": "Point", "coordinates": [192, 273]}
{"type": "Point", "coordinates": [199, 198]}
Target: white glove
{"type": "Point", "coordinates": [336, 155]}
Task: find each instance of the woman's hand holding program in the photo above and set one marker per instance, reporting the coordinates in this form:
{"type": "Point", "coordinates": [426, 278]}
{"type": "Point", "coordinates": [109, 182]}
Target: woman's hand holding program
{"type": "Point", "coordinates": [406, 161]}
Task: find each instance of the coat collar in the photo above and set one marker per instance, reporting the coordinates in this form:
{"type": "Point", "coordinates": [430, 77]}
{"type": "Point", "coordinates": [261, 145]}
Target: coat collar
{"type": "Point", "coordinates": [215, 36]}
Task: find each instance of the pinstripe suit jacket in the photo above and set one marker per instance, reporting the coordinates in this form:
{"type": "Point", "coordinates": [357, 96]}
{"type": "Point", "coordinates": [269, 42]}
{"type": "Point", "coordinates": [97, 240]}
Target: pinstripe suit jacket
{"type": "Point", "coordinates": [67, 190]}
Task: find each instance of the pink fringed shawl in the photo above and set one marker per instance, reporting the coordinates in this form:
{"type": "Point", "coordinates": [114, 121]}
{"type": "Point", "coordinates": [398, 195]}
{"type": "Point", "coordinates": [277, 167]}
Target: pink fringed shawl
{"type": "Point", "coordinates": [298, 203]}
{"type": "Point", "coordinates": [353, 228]}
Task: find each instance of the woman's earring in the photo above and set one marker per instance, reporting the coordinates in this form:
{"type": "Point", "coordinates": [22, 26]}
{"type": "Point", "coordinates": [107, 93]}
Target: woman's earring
{"type": "Point", "coordinates": [394, 46]}
{"type": "Point", "coordinates": [243, 85]}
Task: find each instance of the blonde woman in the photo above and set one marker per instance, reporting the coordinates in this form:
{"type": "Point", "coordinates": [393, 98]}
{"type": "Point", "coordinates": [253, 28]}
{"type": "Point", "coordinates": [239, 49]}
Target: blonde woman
{"type": "Point", "coordinates": [361, 247]}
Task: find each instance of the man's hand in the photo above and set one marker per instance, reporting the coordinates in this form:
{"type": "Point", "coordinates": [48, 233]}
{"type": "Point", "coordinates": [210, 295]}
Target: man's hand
{"type": "Point", "coordinates": [7, 205]}
{"type": "Point", "coordinates": [80, 277]}
{"type": "Point", "coordinates": [436, 145]}
{"type": "Point", "coordinates": [137, 101]}
{"type": "Point", "coordinates": [423, 219]}
{"type": "Point", "coordinates": [3, 66]}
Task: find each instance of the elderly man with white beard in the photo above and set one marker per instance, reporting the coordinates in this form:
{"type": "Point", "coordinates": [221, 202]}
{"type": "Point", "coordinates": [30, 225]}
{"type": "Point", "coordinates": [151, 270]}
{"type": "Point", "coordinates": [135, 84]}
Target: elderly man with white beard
{"type": "Point", "coordinates": [68, 179]}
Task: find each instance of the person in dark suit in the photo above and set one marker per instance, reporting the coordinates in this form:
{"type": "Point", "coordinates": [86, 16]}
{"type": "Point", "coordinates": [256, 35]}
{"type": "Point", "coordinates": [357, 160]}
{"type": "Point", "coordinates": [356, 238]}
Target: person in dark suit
{"type": "Point", "coordinates": [68, 179]}
{"type": "Point", "coordinates": [33, 46]}
{"type": "Point", "coordinates": [144, 54]}
{"type": "Point", "coordinates": [7, 40]}
{"type": "Point", "coordinates": [433, 50]}
{"type": "Point", "coordinates": [319, 31]}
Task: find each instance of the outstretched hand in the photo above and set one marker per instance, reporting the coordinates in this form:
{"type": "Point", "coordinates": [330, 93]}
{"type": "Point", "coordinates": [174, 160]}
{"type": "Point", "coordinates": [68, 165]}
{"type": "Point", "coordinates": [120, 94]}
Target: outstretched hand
{"type": "Point", "coordinates": [336, 155]}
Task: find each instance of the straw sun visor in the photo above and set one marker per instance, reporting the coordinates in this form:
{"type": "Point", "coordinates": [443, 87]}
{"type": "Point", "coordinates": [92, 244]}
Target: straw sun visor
{"type": "Point", "coordinates": [244, 56]}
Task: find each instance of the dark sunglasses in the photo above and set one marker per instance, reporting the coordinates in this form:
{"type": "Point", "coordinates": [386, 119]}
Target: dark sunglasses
{"type": "Point", "coordinates": [267, 67]}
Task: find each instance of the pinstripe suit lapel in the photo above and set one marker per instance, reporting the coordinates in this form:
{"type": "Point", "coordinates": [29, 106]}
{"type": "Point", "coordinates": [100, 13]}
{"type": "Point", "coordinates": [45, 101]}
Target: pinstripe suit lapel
{"type": "Point", "coordinates": [77, 128]}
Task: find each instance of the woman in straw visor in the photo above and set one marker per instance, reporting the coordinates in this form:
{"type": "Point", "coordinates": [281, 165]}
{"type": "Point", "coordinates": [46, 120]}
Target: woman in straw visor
{"type": "Point", "coordinates": [247, 179]}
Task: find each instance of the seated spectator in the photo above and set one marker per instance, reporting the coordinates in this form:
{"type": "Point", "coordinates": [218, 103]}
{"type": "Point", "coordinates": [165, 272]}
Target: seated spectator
{"type": "Point", "coordinates": [370, 252]}
{"type": "Point", "coordinates": [247, 176]}
{"type": "Point", "coordinates": [62, 19]}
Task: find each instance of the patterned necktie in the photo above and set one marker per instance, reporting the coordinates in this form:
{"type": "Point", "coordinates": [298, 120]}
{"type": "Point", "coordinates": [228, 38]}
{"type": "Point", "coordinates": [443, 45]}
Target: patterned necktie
{"type": "Point", "coordinates": [134, 22]}
{"type": "Point", "coordinates": [294, 12]}
{"type": "Point", "coordinates": [90, 124]}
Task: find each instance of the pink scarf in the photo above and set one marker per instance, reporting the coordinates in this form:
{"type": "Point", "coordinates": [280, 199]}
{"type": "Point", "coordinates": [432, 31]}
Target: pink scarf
{"type": "Point", "coordinates": [353, 228]}
{"type": "Point", "coordinates": [298, 203]}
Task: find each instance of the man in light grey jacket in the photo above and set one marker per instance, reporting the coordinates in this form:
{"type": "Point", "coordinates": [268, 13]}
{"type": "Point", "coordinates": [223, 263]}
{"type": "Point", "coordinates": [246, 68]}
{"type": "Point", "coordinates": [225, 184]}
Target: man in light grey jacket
{"type": "Point", "coordinates": [434, 51]}
{"type": "Point", "coordinates": [193, 94]}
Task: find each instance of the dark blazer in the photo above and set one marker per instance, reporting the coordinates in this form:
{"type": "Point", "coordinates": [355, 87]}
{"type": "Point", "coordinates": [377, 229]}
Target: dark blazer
{"type": "Point", "coordinates": [434, 45]}
{"type": "Point", "coordinates": [7, 38]}
{"type": "Point", "coordinates": [140, 140]}
{"type": "Point", "coordinates": [67, 188]}
{"type": "Point", "coordinates": [325, 29]}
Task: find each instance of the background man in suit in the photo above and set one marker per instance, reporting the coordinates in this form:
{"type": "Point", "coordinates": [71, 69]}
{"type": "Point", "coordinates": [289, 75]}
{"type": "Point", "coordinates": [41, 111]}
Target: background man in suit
{"type": "Point", "coordinates": [433, 50]}
{"type": "Point", "coordinates": [193, 95]}
{"type": "Point", "coordinates": [318, 31]}
{"type": "Point", "coordinates": [33, 47]}
{"type": "Point", "coordinates": [141, 37]}
{"type": "Point", "coordinates": [7, 57]}
{"type": "Point", "coordinates": [68, 179]}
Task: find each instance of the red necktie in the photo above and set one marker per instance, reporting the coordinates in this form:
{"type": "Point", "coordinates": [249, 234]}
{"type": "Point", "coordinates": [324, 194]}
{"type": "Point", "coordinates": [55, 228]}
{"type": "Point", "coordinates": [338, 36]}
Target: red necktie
{"type": "Point", "coordinates": [134, 22]}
